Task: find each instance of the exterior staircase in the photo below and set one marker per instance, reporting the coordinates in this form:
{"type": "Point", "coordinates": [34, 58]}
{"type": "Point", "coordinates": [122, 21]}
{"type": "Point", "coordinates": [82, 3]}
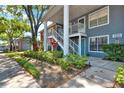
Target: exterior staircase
{"type": "Point", "coordinates": [59, 38]}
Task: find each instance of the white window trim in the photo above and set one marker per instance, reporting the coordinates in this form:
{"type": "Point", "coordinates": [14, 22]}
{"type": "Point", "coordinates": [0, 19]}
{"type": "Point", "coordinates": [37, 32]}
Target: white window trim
{"type": "Point", "coordinates": [96, 12]}
{"type": "Point", "coordinates": [97, 37]}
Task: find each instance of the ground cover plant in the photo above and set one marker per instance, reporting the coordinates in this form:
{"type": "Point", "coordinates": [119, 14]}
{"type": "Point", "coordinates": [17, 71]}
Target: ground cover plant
{"type": "Point", "coordinates": [28, 67]}
{"type": "Point", "coordinates": [24, 63]}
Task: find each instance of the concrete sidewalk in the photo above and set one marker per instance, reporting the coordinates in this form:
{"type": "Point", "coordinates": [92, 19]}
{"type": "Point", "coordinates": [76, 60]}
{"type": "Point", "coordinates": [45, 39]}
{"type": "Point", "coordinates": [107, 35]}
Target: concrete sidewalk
{"type": "Point", "coordinates": [13, 76]}
{"type": "Point", "coordinates": [99, 75]}
{"type": "Point", "coordinates": [80, 82]}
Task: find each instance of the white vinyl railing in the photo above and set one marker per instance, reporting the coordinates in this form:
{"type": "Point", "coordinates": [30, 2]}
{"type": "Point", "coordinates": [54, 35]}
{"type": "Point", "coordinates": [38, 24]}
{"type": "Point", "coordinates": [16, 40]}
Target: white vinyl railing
{"type": "Point", "coordinates": [58, 37]}
{"type": "Point", "coordinates": [77, 28]}
{"type": "Point", "coordinates": [73, 47]}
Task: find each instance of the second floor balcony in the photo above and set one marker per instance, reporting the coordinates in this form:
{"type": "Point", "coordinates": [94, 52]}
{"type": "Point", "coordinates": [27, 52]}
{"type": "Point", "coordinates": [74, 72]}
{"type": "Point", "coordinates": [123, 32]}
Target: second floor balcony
{"type": "Point", "coordinates": [74, 30]}
{"type": "Point", "coordinates": [77, 28]}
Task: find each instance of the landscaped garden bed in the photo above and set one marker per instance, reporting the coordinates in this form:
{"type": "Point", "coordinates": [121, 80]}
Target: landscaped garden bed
{"type": "Point", "coordinates": [29, 67]}
{"type": "Point", "coordinates": [56, 69]}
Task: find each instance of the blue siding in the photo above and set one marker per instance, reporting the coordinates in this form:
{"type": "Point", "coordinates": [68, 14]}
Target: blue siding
{"type": "Point", "coordinates": [116, 25]}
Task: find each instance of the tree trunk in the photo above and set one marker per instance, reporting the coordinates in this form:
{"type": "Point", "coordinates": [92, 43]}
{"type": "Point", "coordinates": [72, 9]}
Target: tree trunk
{"type": "Point", "coordinates": [35, 46]}
{"type": "Point", "coordinates": [10, 45]}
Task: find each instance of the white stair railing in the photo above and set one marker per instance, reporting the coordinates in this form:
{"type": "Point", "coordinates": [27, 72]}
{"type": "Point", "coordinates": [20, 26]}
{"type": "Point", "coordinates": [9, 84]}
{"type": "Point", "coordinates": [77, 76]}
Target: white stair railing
{"type": "Point", "coordinates": [58, 38]}
{"type": "Point", "coordinates": [73, 47]}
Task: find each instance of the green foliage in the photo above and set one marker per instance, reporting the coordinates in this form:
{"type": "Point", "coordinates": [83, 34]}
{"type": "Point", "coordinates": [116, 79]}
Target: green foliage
{"type": "Point", "coordinates": [119, 76]}
{"type": "Point", "coordinates": [49, 56]}
{"type": "Point", "coordinates": [65, 65]}
{"type": "Point", "coordinates": [11, 29]}
{"type": "Point", "coordinates": [29, 67]}
{"type": "Point", "coordinates": [115, 52]}
{"type": "Point", "coordinates": [24, 63]}
{"type": "Point", "coordinates": [56, 57]}
{"type": "Point", "coordinates": [57, 54]}
{"type": "Point", "coordinates": [76, 60]}
{"type": "Point", "coordinates": [14, 54]}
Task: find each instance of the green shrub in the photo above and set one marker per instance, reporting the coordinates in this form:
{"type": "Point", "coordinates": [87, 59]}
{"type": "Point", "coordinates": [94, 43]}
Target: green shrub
{"type": "Point", "coordinates": [76, 60]}
{"type": "Point", "coordinates": [65, 65]}
{"type": "Point", "coordinates": [56, 57]}
{"type": "Point", "coordinates": [49, 56]}
{"type": "Point", "coordinates": [114, 52]}
{"type": "Point", "coordinates": [57, 54]}
{"type": "Point", "coordinates": [119, 76]}
{"type": "Point", "coordinates": [29, 67]}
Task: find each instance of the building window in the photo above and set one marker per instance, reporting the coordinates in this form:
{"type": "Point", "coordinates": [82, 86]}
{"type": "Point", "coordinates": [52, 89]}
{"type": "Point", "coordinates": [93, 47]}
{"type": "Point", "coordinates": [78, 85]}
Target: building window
{"type": "Point", "coordinates": [96, 43]}
{"type": "Point", "coordinates": [99, 18]}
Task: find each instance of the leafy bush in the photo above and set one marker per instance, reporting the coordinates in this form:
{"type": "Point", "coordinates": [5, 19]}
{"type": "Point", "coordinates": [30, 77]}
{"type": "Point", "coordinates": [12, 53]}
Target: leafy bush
{"type": "Point", "coordinates": [50, 56]}
{"type": "Point", "coordinates": [32, 54]}
{"type": "Point", "coordinates": [76, 60]}
{"type": "Point", "coordinates": [64, 64]}
{"type": "Point", "coordinates": [115, 52]}
{"type": "Point", "coordinates": [56, 57]}
{"type": "Point", "coordinates": [28, 67]}
{"type": "Point", "coordinates": [57, 54]}
{"type": "Point", "coordinates": [119, 76]}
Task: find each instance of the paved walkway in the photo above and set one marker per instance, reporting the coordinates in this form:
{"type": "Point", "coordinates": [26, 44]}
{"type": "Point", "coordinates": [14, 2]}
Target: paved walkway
{"type": "Point", "coordinates": [99, 75]}
{"type": "Point", "coordinates": [13, 76]}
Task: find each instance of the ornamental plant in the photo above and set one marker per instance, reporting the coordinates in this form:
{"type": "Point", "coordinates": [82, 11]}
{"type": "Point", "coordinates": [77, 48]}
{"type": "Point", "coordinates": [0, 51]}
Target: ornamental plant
{"type": "Point", "coordinates": [114, 52]}
{"type": "Point", "coordinates": [119, 76]}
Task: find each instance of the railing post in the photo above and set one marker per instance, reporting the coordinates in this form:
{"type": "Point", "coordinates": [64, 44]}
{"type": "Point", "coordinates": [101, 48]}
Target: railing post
{"type": "Point", "coordinates": [66, 29]}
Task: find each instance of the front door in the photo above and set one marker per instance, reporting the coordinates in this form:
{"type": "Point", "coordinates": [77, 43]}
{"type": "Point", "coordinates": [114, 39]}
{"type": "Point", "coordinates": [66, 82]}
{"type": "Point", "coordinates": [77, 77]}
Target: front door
{"type": "Point", "coordinates": [83, 46]}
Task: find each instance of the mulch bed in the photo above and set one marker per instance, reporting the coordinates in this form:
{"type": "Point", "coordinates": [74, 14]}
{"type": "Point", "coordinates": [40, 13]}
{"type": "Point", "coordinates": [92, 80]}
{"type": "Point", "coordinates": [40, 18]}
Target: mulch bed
{"type": "Point", "coordinates": [52, 75]}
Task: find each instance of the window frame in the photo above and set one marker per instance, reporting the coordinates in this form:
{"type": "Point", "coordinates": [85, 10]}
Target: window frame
{"type": "Point", "coordinates": [108, 14]}
{"type": "Point", "coordinates": [97, 43]}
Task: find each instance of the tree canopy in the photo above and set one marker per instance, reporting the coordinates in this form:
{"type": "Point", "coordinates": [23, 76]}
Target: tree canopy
{"type": "Point", "coordinates": [13, 21]}
{"type": "Point", "coordinates": [12, 28]}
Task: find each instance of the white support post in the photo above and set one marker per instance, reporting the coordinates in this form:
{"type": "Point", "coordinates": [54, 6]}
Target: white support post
{"type": "Point", "coordinates": [80, 45]}
{"type": "Point", "coordinates": [66, 29]}
{"type": "Point", "coordinates": [45, 36]}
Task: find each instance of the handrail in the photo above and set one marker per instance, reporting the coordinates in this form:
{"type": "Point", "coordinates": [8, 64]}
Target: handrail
{"type": "Point", "coordinates": [72, 44]}
{"type": "Point", "coordinates": [57, 34]}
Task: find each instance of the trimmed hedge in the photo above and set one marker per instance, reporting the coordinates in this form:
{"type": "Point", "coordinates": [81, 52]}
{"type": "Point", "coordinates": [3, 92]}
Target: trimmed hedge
{"type": "Point", "coordinates": [115, 52]}
{"type": "Point", "coordinates": [28, 67]}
